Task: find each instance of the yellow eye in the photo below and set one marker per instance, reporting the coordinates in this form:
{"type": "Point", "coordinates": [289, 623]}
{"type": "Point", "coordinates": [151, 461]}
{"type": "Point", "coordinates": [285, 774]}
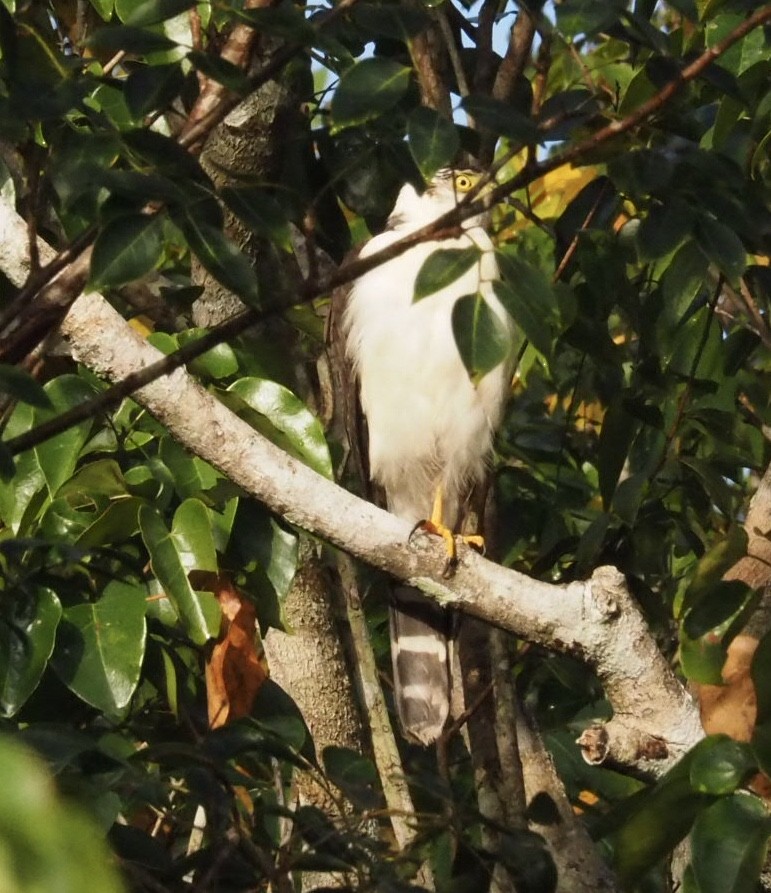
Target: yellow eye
{"type": "Point", "coordinates": [463, 182]}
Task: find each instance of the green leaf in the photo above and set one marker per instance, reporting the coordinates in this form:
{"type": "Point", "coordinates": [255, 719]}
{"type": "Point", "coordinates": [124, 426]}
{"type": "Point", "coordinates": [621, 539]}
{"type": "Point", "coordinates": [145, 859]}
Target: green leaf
{"type": "Point", "coordinates": [104, 8]}
{"type": "Point", "coordinates": [151, 88]}
{"type": "Point", "coordinates": [191, 532]}
{"type": "Point", "coordinates": [150, 12]}
{"type": "Point", "coordinates": [27, 635]}
{"type": "Point", "coordinates": [58, 455]}
{"type": "Point", "coordinates": [355, 775]}
{"type": "Point", "coordinates": [295, 428]}
{"type": "Point", "coordinates": [198, 613]}
{"type": "Point", "coordinates": [433, 140]}
{"type": "Point", "coordinates": [531, 300]}
{"type": "Point", "coordinates": [721, 765]}
{"type": "Point", "coordinates": [220, 70]}
{"type": "Point", "coordinates": [116, 524]}
{"type": "Point", "coordinates": [132, 40]}
{"type": "Point", "coordinates": [647, 826]}
{"type": "Point", "coordinates": [664, 228]}
{"type": "Point", "coordinates": [714, 563]}
{"type": "Point", "coordinates": [260, 212]}
{"type": "Point", "coordinates": [19, 495]}
{"type": "Point", "coordinates": [443, 267]}
{"type": "Point", "coordinates": [616, 437]}
{"type": "Point", "coordinates": [129, 247]}
{"type": "Point", "coordinates": [728, 844]}
{"type": "Point", "coordinates": [20, 385]}
{"type": "Point", "coordinates": [220, 256]}
{"type": "Point", "coordinates": [722, 246]}
{"type": "Point", "coordinates": [48, 843]}
{"type": "Point", "coordinates": [367, 90]}
{"type": "Point", "coordinates": [501, 118]}
{"type": "Point", "coordinates": [482, 337]}
{"type": "Point", "coordinates": [100, 647]}
{"type": "Point", "coordinates": [718, 607]}
{"type": "Point", "coordinates": [192, 476]}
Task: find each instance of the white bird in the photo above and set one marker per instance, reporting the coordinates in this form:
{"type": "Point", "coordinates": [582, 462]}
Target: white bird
{"type": "Point", "coordinates": [430, 428]}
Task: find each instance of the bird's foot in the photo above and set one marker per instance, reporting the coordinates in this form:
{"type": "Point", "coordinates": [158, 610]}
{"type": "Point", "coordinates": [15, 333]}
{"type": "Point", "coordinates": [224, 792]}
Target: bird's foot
{"type": "Point", "coordinates": [451, 541]}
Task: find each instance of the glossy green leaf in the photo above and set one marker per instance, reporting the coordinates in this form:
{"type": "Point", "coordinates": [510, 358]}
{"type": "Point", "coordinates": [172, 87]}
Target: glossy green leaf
{"type": "Point", "coordinates": [27, 635]}
{"type": "Point", "coordinates": [20, 385]}
{"type": "Point", "coordinates": [220, 256]}
{"type": "Point", "coordinates": [141, 13]}
{"type": "Point", "coordinates": [191, 532]}
{"type": "Point", "coordinates": [721, 765]}
{"type": "Point", "coordinates": [682, 281]}
{"type": "Point", "coordinates": [500, 118]}
{"type": "Point", "coordinates": [48, 842]}
{"type": "Point", "coordinates": [104, 8]}
{"type": "Point", "coordinates": [433, 140]}
{"type": "Point", "coordinates": [722, 246]}
{"type": "Point", "coordinates": [367, 90]}
{"type": "Point", "coordinates": [443, 267]}
{"type": "Point", "coordinates": [20, 494]}
{"type": "Point", "coordinates": [126, 249]}
{"type": "Point", "coordinates": [198, 612]}
{"type": "Point", "coordinates": [482, 338]}
{"type": "Point", "coordinates": [729, 844]}
{"type": "Point", "coordinates": [130, 39]}
{"type": "Point", "coordinates": [295, 428]}
{"type": "Point", "coordinates": [58, 455]}
{"type": "Point", "coordinates": [100, 647]}
{"type": "Point", "coordinates": [260, 212]}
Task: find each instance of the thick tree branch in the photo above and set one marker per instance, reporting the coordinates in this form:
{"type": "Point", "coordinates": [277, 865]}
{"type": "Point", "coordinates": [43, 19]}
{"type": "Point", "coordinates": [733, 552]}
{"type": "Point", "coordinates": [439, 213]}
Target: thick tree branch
{"type": "Point", "coordinates": [595, 620]}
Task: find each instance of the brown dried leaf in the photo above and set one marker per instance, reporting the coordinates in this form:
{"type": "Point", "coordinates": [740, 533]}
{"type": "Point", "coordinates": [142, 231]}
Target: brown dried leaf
{"type": "Point", "coordinates": [234, 673]}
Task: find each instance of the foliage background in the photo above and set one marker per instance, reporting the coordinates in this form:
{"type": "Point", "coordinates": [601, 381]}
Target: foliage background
{"type": "Point", "coordinates": [635, 436]}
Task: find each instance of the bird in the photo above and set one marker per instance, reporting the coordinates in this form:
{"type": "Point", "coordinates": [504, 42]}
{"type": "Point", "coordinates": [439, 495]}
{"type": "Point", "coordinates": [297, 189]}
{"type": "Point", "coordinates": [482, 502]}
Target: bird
{"type": "Point", "coordinates": [430, 428]}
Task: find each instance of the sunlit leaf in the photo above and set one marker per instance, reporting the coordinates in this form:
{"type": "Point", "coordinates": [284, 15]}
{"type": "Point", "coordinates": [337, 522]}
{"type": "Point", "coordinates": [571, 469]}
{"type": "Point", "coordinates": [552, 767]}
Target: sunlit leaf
{"type": "Point", "coordinates": [443, 267]}
{"type": "Point", "coordinates": [294, 426]}
{"type": "Point", "coordinates": [198, 612]}
{"type": "Point", "coordinates": [27, 635]}
{"type": "Point", "coordinates": [101, 645]}
{"type": "Point", "coordinates": [367, 90]}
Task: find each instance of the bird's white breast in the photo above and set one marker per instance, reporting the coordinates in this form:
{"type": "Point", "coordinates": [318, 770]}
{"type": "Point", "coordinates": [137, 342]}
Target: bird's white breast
{"type": "Point", "coordinates": [427, 423]}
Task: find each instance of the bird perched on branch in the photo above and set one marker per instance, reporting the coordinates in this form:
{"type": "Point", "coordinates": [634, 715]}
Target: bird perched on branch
{"type": "Point", "coordinates": [430, 426]}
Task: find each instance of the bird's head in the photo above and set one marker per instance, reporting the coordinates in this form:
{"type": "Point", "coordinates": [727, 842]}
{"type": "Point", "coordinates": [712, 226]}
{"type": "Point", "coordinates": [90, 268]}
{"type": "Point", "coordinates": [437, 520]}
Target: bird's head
{"type": "Point", "coordinates": [445, 191]}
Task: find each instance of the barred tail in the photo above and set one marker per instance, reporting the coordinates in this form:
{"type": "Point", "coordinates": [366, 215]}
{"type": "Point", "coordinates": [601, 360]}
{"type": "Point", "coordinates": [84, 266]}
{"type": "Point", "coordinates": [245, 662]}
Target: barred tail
{"type": "Point", "coordinates": [421, 666]}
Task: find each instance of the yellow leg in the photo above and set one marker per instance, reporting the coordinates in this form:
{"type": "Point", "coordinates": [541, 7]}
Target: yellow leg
{"type": "Point", "coordinates": [435, 524]}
